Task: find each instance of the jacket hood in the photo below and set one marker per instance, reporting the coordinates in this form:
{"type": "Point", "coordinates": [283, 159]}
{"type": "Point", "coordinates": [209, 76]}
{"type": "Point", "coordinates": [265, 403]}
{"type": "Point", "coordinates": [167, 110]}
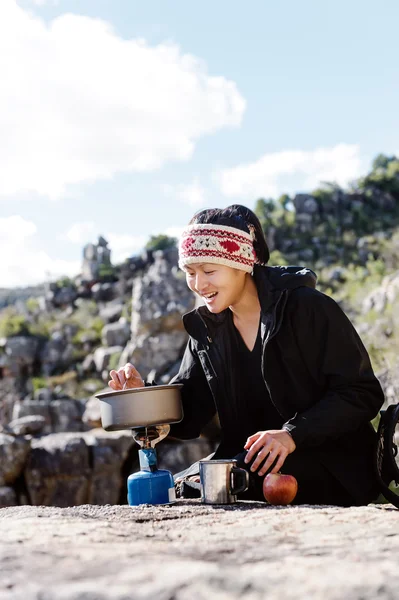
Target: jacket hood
{"type": "Point", "coordinates": [285, 278]}
{"type": "Point", "coordinates": [270, 281]}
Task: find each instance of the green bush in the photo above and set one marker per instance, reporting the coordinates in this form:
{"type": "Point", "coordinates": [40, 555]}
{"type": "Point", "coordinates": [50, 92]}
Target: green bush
{"type": "Point", "coordinates": [65, 282]}
{"type": "Point", "coordinates": [39, 382]}
{"type": "Point", "coordinates": [277, 259]}
{"type": "Point", "coordinates": [12, 324]}
{"type": "Point", "coordinates": [32, 305]}
{"type": "Point", "coordinates": [107, 273]}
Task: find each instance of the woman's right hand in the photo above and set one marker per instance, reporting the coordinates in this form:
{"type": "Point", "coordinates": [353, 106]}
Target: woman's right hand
{"type": "Point", "coordinates": [127, 374]}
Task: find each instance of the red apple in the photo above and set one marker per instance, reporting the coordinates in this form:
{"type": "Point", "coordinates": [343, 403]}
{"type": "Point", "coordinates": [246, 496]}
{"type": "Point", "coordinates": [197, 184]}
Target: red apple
{"type": "Point", "coordinates": [279, 488]}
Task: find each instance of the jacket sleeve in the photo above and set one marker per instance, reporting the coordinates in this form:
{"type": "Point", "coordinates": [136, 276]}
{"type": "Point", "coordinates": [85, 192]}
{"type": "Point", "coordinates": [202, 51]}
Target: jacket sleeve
{"type": "Point", "coordinates": [338, 360]}
{"type": "Point", "coordinates": [198, 403]}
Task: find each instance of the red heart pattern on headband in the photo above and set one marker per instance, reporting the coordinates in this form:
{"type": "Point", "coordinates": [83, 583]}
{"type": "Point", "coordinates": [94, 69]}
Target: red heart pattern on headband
{"type": "Point", "coordinates": [229, 245]}
{"type": "Point", "coordinates": [187, 243]}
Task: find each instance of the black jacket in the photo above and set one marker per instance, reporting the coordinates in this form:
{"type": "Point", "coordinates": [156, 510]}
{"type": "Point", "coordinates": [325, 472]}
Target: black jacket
{"type": "Point", "coordinates": [314, 365]}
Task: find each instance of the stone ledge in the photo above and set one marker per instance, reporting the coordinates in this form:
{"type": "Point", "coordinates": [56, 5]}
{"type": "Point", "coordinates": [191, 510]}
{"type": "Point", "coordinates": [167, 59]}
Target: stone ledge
{"type": "Point", "coordinates": [189, 551]}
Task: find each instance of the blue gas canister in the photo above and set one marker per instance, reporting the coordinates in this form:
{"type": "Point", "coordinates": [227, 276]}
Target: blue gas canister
{"type": "Point", "coordinates": [150, 485]}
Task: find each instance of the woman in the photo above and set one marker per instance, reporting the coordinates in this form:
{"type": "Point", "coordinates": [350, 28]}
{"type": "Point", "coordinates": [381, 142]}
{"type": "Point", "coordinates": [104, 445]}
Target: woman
{"type": "Point", "coordinates": [278, 361]}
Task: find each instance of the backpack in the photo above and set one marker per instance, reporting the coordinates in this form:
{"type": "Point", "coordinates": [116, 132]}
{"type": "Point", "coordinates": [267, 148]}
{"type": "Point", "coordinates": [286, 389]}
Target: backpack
{"type": "Point", "coordinates": [386, 467]}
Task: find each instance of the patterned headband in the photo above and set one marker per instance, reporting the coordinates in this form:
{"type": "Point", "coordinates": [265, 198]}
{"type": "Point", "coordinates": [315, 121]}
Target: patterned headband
{"type": "Point", "coordinates": [219, 244]}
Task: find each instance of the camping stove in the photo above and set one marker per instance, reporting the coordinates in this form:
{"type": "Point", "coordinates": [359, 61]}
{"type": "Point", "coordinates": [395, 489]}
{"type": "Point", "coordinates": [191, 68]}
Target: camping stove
{"type": "Point", "coordinates": [150, 485]}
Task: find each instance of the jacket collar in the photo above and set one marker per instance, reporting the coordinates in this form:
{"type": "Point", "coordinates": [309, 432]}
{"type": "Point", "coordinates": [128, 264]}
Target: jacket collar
{"type": "Point", "coordinates": [200, 322]}
{"type": "Point", "coordinates": [271, 282]}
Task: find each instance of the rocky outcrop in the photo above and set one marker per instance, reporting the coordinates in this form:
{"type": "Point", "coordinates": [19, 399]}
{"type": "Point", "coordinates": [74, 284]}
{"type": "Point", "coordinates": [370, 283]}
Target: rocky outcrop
{"type": "Point", "coordinates": [116, 334]}
{"type": "Point", "coordinates": [58, 414]}
{"type": "Point", "coordinates": [159, 299]}
{"type": "Point", "coordinates": [22, 350]}
{"type": "Point", "coordinates": [386, 293]}
{"type": "Point", "coordinates": [69, 469]}
{"type": "Point", "coordinates": [64, 469]}
{"type": "Point", "coordinates": [95, 256]}
{"type": "Point", "coordinates": [57, 353]}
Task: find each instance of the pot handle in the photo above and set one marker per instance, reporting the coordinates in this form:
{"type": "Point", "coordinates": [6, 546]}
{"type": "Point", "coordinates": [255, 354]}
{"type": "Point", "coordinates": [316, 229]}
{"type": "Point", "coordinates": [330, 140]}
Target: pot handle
{"type": "Point", "coordinates": [239, 480]}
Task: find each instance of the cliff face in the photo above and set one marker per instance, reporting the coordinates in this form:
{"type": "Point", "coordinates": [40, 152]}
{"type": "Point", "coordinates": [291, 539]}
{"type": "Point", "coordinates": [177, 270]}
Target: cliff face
{"type": "Point", "coordinates": [72, 337]}
{"type": "Point", "coordinates": [53, 450]}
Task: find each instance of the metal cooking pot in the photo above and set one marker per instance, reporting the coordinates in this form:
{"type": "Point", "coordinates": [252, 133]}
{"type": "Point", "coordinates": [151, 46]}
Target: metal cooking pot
{"type": "Point", "coordinates": [141, 407]}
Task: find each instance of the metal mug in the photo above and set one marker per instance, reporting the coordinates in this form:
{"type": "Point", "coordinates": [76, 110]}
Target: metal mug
{"type": "Point", "coordinates": [221, 481]}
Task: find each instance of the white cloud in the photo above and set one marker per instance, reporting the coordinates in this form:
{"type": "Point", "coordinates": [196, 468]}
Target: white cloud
{"type": "Point", "coordinates": [192, 194]}
{"type": "Point", "coordinates": [174, 231]}
{"type": "Point", "coordinates": [43, 2]}
{"type": "Point", "coordinates": [124, 245]}
{"type": "Point", "coordinates": [23, 261]}
{"type": "Point", "coordinates": [80, 233]}
{"type": "Point", "coordinates": [291, 171]}
{"type": "Point", "coordinates": [79, 103]}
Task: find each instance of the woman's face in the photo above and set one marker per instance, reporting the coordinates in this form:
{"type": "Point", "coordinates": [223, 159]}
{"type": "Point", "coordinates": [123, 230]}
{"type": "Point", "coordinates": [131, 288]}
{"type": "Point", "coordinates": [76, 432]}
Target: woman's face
{"type": "Point", "coordinates": [218, 285]}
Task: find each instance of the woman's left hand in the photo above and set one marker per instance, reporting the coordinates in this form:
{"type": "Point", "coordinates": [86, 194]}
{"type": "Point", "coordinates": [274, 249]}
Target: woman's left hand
{"type": "Point", "coordinates": [272, 445]}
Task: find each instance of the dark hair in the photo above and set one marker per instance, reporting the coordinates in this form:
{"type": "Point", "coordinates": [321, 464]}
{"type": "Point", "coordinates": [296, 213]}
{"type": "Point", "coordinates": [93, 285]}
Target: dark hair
{"type": "Point", "coordinates": [240, 217]}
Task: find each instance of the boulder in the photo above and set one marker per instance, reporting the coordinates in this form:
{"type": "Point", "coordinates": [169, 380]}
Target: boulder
{"type": "Point", "coordinates": [8, 497]}
{"type": "Point", "coordinates": [103, 292]}
{"type": "Point", "coordinates": [30, 408]}
{"type": "Point", "coordinates": [102, 356]}
{"type": "Point", "coordinates": [161, 350]}
{"type": "Point", "coordinates": [29, 425]}
{"type": "Point", "coordinates": [115, 334]}
{"type": "Point", "coordinates": [13, 455]}
{"type": "Point", "coordinates": [89, 365]}
{"type": "Point", "coordinates": [57, 471]}
{"type": "Point", "coordinates": [57, 354]}
{"type": "Point", "coordinates": [108, 451]}
{"type": "Point", "coordinates": [43, 395]}
{"type": "Point", "coordinates": [64, 296]}
{"type": "Point", "coordinates": [66, 415]}
{"type": "Point", "coordinates": [22, 350]}
{"type": "Point", "coordinates": [111, 312]}
{"type": "Point", "coordinates": [68, 469]}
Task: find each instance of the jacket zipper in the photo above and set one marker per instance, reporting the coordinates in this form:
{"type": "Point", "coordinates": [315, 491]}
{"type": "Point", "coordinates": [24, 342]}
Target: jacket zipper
{"type": "Point", "coordinates": [270, 337]}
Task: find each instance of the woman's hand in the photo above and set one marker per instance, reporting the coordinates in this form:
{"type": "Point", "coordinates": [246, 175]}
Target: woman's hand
{"type": "Point", "coordinates": [127, 374]}
{"type": "Point", "coordinates": [272, 445]}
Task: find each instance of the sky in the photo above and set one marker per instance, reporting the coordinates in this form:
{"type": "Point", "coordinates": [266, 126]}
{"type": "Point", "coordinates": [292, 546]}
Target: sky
{"type": "Point", "coordinates": [123, 118]}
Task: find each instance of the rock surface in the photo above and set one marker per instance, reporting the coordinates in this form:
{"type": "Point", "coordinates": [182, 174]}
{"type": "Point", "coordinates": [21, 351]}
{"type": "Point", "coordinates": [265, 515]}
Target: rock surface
{"type": "Point", "coordinates": [187, 550]}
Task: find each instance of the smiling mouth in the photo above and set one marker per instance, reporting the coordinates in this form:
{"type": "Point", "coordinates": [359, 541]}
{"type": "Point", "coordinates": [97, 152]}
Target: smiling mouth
{"type": "Point", "coordinates": [209, 296]}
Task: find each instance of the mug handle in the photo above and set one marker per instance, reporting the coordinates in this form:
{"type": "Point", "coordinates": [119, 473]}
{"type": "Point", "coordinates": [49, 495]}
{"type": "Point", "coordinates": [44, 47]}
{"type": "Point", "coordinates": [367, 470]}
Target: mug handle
{"type": "Point", "coordinates": [239, 477]}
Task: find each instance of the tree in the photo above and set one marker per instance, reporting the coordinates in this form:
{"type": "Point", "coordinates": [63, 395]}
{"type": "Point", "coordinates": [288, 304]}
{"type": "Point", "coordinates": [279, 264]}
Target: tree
{"type": "Point", "coordinates": [381, 161]}
{"type": "Point", "coordinates": [264, 210]}
{"type": "Point", "coordinates": [160, 242]}
{"type": "Point", "coordinates": [284, 201]}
